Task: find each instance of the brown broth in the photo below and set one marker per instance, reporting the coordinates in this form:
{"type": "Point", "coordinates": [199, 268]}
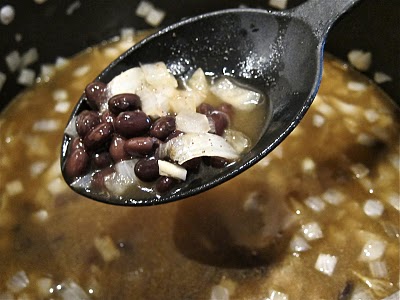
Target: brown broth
{"type": "Point", "coordinates": [236, 236]}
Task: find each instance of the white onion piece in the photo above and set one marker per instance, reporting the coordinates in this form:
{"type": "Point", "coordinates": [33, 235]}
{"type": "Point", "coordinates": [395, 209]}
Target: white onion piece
{"type": "Point", "coordinates": [107, 248]}
{"type": "Point", "coordinates": [187, 121]}
{"type": "Point", "coordinates": [171, 170]}
{"type": "Point", "coordinates": [276, 295]}
{"type": "Point", "coordinates": [155, 17]}
{"type": "Point", "coordinates": [394, 296]}
{"type": "Point", "coordinates": [315, 203]}
{"type": "Point", "coordinates": [118, 182]}
{"type": "Point", "coordinates": [238, 97]}
{"type": "Point", "coordinates": [312, 231]}
{"type": "Point", "coordinates": [380, 77]}
{"type": "Point", "coordinates": [83, 182]}
{"type": "Point", "coordinates": [192, 145]}
{"type": "Point", "coordinates": [361, 293]}
{"type": "Point", "coordinates": [372, 250]}
{"type": "Point", "coordinates": [70, 130]}
{"type": "Point", "coordinates": [186, 101]}
{"type": "Point", "coordinates": [18, 282]}
{"type": "Point", "coordinates": [279, 4]}
{"type": "Point", "coordinates": [13, 60]}
{"type": "Point", "coordinates": [378, 269]}
{"type": "Point", "coordinates": [238, 140]}
{"type": "Point", "coordinates": [359, 59]}
{"type": "Point", "coordinates": [198, 81]}
{"type": "Point", "coordinates": [72, 291]}
{"type": "Point", "coordinates": [26, 77]}
{"type": "Point", "coordinates": [130, 81]}
{"type": "Point", "coordinates": [298, 244]}
{"type": "Point", "coordinates": [157, 75]}
{"type": "Point", "coordinates": [126, 169]}
{"type": "Point", "coordinates": [143, 9]}
{"type": "Point", "coordinates": [326, 264]}
{"type": "Point", "coordinates": [333, 196]}
{"type": "Point", "coordinates": [155, 101]}
{"type": "Point", "coordinates": [373, 208]}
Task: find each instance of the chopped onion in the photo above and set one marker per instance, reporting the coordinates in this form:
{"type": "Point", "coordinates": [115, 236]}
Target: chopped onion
{"type": "Point", "coordinates": [238, 140]}
{"type": "Point", "coordinates": [61, 62]}
{"type": "Point", "coordinates": [62, 107]}
{"type": "Point", "coordinates": [394, 159]}
{"type": "Point", "coordinates": [72, 291]}
{"type": "Point", "coordinates": [392, 230]}
{"type": "Point", "coordinates": [46, 71]}
{"type": "Point", "coordinates": [356, 86]}
{"type": "Point", "coordinates": [107, 249]}
{"type": "Point", "coordinates": [192, 145]}
{"type": "Point", "coordinates": [81, 71]}
{"type": "Point", "coordinates": [380, 77]}
{"type": "Point", "coordinates": [56, 186]}
{"type": "Point", "coordinates": [83, 182]}
{"type": "Point", "coordinates": [315, 203]}
{"type": "Point", "coordinates": [298, 244]}
{"type": "Point", "coordinates": [359, 59]}
{"type": "Point", "coordinates": [359, 170]}
{"type": "Point", "coordinates": [155, 17]}
{"type": "Point", "coordinates": [219, 292]}
{"type": "Point", "coordinates": [394, 200]}
{"type": "Point", "coordinates": [14, 187]}
{"type": "Point", "coordinates": [13, 60]}
{"type": "Point", "coordinates": [198, 81]}
{"type": "Point", "coordinates": [60, 95]}
{"type": "Point", "coordinates": [72, 8]}
{"type": "Point", "coordinates": [126, 169]}
{"type": "Point", "coordinates": [18, 282]}
{"type": "Point", "coordinates": [325, 109]}
{"type": "Point", "coordinates": [130, 81]}
{"type": "Point", "coordinates": [185, 101]}
{"type": "Point", "coordinates": [26, 77]}
{"type": "Point", "coordinates": [7, 14]}
{"type": "Point", "coordinates": [371, 115]}
{"type": "Point", "coordinates": [333, 196]}
{"type": "Point", "coordinates": [346, 108]}
{"type": "Point", "coordinates": [187, 121]}
{"type": "Point", "coordinates": [116, 184]}
{"type": "Point", "coordinates": [365, 139]}
{"type": "Point", "coordinates": [318, 120]}
{"type": "Point", "coordinates": [312, 231]}
{"type": "Point", "coordinates": [40, 216]}
{"type": "Point", "coordinates": [276, 295]}
{"type": "Point", "coordinates": [127, 34]}
{"type": "Point", "coordinates": [238, 97]}
{"type": "Point", "coordinates": [361, 293]}
{"type": "Point", "coordinates": [144, 8]}
{"type": "Point", "coordinates": [29, 57]}
{"type": "Point", "coordinates": [378, 269]}
{"type": "Point", "coordinates": [43, 286]}
{"type": "Point", "coordinates": [308, 165]}
{"type": "Point", "coordinates": [379, 287]}
{"type": "Point", "coordinates": [46, 125]}
{"type": "Point", "coordinates": [279, 4]}
{"type": "Point", "coordinates": [37, 168]}
{"type": "Point", "coordinates": [372, 250]}
{"type": "Point", "coordinates": [70, 130]}
{"type": "Point", "coordinates": [373, 208]}
{"type": "Point", "coordinates": [326, 263]}
{"type": "Point", "coordinates": [158, 76]}
{"type": "Point", "coordinates": [171, 170]}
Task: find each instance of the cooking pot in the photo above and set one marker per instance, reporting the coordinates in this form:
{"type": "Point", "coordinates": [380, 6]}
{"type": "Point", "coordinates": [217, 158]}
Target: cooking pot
{"type": "Point", "coordinates": [62, 28]}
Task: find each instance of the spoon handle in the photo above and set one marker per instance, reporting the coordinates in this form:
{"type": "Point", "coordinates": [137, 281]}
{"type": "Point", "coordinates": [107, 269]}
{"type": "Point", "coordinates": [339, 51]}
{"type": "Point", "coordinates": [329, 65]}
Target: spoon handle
{"type": "Point", "coordinates": [321, 14]}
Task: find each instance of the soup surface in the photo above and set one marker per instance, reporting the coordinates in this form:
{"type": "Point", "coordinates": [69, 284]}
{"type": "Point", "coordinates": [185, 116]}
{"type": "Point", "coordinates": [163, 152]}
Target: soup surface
{"type": "Point", "coordinates": [317, 219]}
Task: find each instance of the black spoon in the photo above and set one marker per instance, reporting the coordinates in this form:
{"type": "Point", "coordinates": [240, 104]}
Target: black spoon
{"type": "Point", "coordinates": [279, 53]}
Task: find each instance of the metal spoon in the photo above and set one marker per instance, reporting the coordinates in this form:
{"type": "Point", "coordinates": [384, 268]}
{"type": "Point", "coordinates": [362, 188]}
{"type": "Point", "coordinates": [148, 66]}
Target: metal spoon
{"type": "Point", "coordinates": [279, 53]}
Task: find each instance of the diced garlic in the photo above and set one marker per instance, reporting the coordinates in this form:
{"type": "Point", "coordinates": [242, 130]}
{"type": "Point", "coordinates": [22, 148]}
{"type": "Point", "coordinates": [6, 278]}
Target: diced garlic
{"type": "Point", "coordinates": [326, 264]}
{"type": "Point", "coordinates": [171, 170]}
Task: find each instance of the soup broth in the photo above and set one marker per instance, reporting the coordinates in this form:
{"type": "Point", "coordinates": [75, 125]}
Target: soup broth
{"type": "Point", "coordinates": [316, 219]}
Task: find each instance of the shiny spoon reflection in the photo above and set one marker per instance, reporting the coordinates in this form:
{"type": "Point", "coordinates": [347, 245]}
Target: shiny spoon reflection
{"type": "Point", "coordinates": [278, 53]}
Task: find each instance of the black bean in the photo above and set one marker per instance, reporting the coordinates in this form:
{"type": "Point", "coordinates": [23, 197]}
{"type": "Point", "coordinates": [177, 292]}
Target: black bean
{"type": "Point", "coordinates": [124, 102]}
{"type": "Point", "coordinates": [107, 117]}
{"type": "Point", "coordinates": [174, 134]}
{"type": "Point", "coordinates": [193, 164]}
{"type": "Point", "coordinates": [226, 108]}
{"type": "Point", "coordinates": [76, 163]}
{"type": "Point", "coordinates": [221, 121]}
{"type": "Point", "coordinates": [117, 150]}
{"type": "Point", "coordinates": [77, 143]}
{"type": "Point", "coordinates": [97, 184]}
{"type": "Point", "coordinates": [163, 127]}
{"type": "Point", "coordinates": [345, 294]}
{"type": "Point", "coordinates": [140, 145]}
{"type": "Point", "coordinates": [98, 136]}
{"type": "Point", "coordinates": [146, 169]}
{"type": "Point", "coordinates": [164, 184]}
{"type": "Point", "coordinates": [96, 94]}
{"type": "Point", "coordinates": [218, 162]}
{"type": "Point", "coordinates": [205, 108]}
{"type": "Point", "coordinates": [86, 121]}
{"type": "Point", "coordinates": [132, 123]}
{"type": "Point", "coordinates": [102, 160]}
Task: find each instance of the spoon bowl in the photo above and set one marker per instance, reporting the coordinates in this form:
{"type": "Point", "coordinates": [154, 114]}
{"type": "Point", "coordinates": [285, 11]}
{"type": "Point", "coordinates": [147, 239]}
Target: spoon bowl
{"type": "Point", "coordinates": [277, 53]}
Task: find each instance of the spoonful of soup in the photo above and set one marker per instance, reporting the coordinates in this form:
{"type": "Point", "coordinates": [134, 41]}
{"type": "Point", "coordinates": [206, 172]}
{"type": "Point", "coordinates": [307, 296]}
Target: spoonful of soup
{"type": "Point", "coordinates": [196, 104]}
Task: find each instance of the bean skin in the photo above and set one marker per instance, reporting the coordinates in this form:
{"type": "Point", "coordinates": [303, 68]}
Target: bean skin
{"type": "Point", "coordinates": [98, 136]}
{"type": "Point", "coordinates": [95, 94]}
{"type": "Point", "coordinates": [86, 121]}
{"type": "Point", "coordinates": [117, 150]}
{"type": "Point", "coordinates": [164, 184]}
{"type": "Point", "coordinates": [221, 121]}
{"type": "Point", "coordinates": [146, 169]}
{"type": "Point", "coordinates": [140, 145]}
{"type": "Point", "coordinates": [132, 123]}
{"type": "Point", "coordinates": [163, 127]}
{"type": "Point", "coordinates": [124, 102]}
{"type": "Point", "coordinates": [226, 108]}
{"type": "Point", "coordinates": [76, 163]}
